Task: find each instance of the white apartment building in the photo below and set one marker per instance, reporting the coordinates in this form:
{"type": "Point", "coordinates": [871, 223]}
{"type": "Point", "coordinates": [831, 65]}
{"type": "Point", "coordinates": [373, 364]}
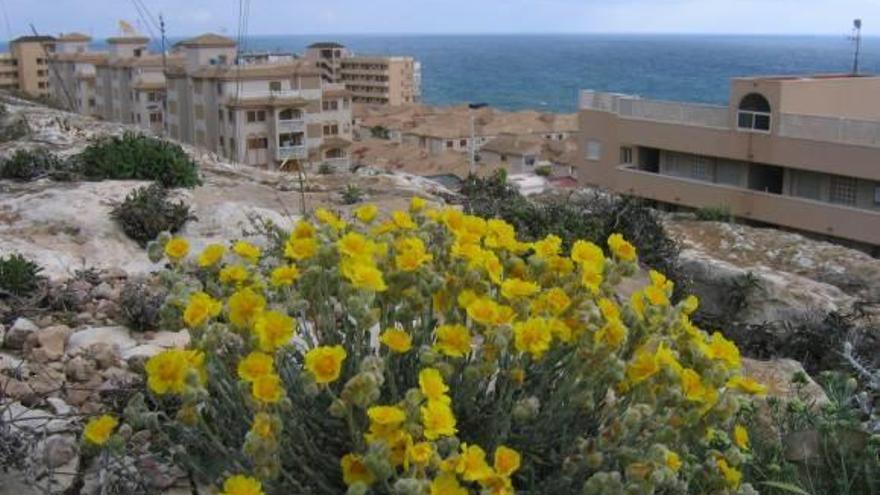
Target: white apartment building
{"type": "Point", "coordinates": [73, 75]}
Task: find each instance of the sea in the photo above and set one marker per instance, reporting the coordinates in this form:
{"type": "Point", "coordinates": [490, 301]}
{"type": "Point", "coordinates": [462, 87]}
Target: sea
{"type": "Point", "coordinates": [545, 72]}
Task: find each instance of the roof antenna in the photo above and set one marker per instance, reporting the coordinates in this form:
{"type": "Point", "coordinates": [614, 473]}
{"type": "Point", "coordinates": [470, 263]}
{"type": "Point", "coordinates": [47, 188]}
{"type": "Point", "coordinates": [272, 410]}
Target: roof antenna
{"type": "Point", "coordinates": [857, 39]}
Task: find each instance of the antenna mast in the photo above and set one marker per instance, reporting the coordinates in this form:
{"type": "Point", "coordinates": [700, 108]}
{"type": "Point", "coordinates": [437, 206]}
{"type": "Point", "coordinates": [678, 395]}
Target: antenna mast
{"type": "Point", "coordinates": [857, 39]}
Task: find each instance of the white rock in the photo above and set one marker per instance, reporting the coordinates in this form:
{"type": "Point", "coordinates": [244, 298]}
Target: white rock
{"type": "Point", "coordinates": [144, 351]}
{"type": "Point", "coordinates": [58, 406]}
{"type": "Point", "coordinates": [116, 336]}
{"type": "Point", "coordinates": [18, 333]}
{"type": "Point", "coordinates": [170, 340]}
{"type": "Point", "coordinates": [8, 362]}
{"type": "Point", "coordinates": [19, 417]}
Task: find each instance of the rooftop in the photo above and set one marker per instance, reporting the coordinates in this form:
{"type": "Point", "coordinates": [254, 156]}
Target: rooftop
{"type": "Point", "coordinates": [326, 44]}
{"type": "Point", "coordinates": [128, 40]}
{"type": "Point", "coordinates": [74, 37]}
{"type": "Point", "coordinates": [209, 40]}
{"type": "Point", "coordinates": [256, 71]}
{"type": "Point", "coordinates": [33, 39]}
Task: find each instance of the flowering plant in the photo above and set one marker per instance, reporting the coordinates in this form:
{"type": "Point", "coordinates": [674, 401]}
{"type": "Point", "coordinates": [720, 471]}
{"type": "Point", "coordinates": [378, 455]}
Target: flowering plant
{"type": "Point", "coordinates": [432, 352]}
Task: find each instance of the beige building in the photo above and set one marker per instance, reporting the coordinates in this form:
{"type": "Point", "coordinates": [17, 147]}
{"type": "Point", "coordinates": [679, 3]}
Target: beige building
{"type": "Point", "coordinates": [25, 67]}
{"type": "Point", "coordinates": [800, 152]}
{"type": "Point", "coordinates": [268, 115]}
{"type": "Point", "coordinates": [73, 75]}
{"type": "Point", "coordinates": [373, 80]}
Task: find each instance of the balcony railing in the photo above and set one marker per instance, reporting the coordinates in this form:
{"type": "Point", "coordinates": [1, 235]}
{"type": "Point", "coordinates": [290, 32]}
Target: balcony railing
{"type": "Point", "coordinates": [285, 152]}
{"type": "Point", "coordinates": [296, 125]}
{"type": "Point", "coordinates": [818, 128]}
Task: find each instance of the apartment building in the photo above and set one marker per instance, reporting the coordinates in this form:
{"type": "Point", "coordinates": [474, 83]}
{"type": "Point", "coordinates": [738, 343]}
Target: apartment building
{"type": "Point", "coordinates": [73, 75]}
{"type": "Point", "coordinates": [374, 80]}
{"type": "Point", "coordinates": [801, 152]}
{"type": "Point", "coordinates": [269, 115]}
{"type": "Point", "coordinates": [25, 67]}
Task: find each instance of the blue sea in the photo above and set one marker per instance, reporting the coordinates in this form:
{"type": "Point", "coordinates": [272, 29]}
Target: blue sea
{"type": "Point", "coordinates": [545, 72]}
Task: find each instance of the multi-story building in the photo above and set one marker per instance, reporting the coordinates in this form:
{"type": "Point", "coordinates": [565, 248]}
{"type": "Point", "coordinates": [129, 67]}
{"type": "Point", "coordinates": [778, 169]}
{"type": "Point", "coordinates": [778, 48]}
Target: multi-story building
{"type": "Point", "coordinates": [374, 80]}
{"type": "Point", "coordinates": [801, 152]}
{"type": "Point", "coordinates": [272, 115]}
{"type": "Point", "coordinates": [25, 67]}
{"type": "Point", "coordinates": [73, 75]}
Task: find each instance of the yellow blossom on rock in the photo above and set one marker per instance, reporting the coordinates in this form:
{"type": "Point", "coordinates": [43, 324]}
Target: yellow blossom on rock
{"type": "Point", "coordinates": [643, 365]}
{"type": "Point", "coordinates": [609, 309]}
{"type": "Point", "coordinates": [621, 248]}
{"type": "Point", "coordinates": [211, 255]}
{"type": "Point", "coordinates": [420, 453]}
{"type": "Point", "coordinates": [532, 336]}
{"type": "Point", "coordinates": [355, 471]}
{"type": "Point", "coordinates": [98, 430]}
{"type": "Point", "coordinates": [167, 371]}
{"type": "Point", "coordinates": [447, 484]}
{"type": "Point", "coordinates": [690, 304]}
{"type": "Point", "coordinates": [724, 350]}
{"type": "Point", "coordinates": [472, 465]}
{"type": "Point", "coordinates": [483, 310]}
{"type": "Point", "coordinates": [432, 385]}
{"type": "Point", "coordinates": [397, 340]}
{"type": "Point", "coordinates": [325, 363]}
{"type": "Point", "coordinates": [556, 300]}
{"type": "Point", "coordinates": [303, 230]}
{"type": "Point", "coordinates": [284, 275]}
{"type": "Point", "coordinates": [507, 460]}
{"type": "Point", "coordinates": [411, 254]}
{"type": "Point", "coordinates": [514, 288]}
{"type": "Point", "coordinates": [363, 275]}
{"type": "Point", "coordinates": [656, 296]}
{"type": "Point", "coordinates": [660, 281]}
{"type": "Point", "coordinates": [438, 420]}
{"type": "Point", "coordinates": [747, 385]}
{"type": "Point", "coordinates": [613, 334]}
{"type": "Point", "coordinates": [355, 245]}
{"type": "Point", "coordinates": [255, 365]}
{"type": "Point", "coordinates": [176, 249]}
{"type": "Point", "coordinates": [366, 213]}
{"type": "Point", "coordinates": [560, 265]}
{"type": "Point", "coordinates": [673, 461]}
{"type": "Point", "coordinates": [247, 251]}
{"type": "Point", "coordinates": [547, 247]}
{"type": "Point", "coordinates": [591, 278]}
{"type": "Point", "coordinates": [732, 475]}
{"type": "Point", "coordinates": [301, 249]}
{"type": "Point", "coordinates": [244, 306]}
{"type": "Point", "coordinates": [273, 330]}
{"type": "Point", "coordinates": [417, 204]}
{"type": "Point", "coordinates": [587, 253]}
{"type": "Point", "coordinates": [402, 220]}
{"type": "Point", "coordinates": [741, 437]}
{"type": "Point", "coordinates": [329, 218]}
{"type": "Point", "coordinates": [465, 298]}
{"type": "Point", "coordinates": [267, 389]}
{"type": "Point", "coordinates": [263, 426]}
{"type": "Point", "coordinates": [453, 340]}
{"type": "Point", "coordinates": [241, 485]}
{"type": "Point", "coordinates": [200, 308]}
{"type": "Point", "coordinates": [234, 274]}
{"type": "Point", "coordinates": [386, 415]}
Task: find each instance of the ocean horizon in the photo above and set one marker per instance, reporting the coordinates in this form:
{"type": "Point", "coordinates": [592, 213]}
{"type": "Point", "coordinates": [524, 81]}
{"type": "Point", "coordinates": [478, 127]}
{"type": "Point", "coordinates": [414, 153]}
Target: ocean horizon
{"type": "Point", "coordinates": [546, 71]}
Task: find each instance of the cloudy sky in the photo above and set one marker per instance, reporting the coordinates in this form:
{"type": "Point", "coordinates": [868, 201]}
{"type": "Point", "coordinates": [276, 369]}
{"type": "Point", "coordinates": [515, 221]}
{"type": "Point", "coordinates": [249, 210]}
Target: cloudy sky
{"type": "Point", "coordinates": [184, 17]}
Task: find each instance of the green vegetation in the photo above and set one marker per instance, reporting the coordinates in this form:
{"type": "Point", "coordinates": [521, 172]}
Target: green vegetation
{"type": "Point", "coordinates": [139, 157]}
{"type": "Point", "coordinates": [146, 212]}
{"type": "Point", "coordinates": [352, 194]}
{"type": "Point", "coordinates": [714, 214]}
{"type": "Point", "coordinates": [27, 165]}
{"type": "Point", "coordinates": [380, 132]}
{"type": "Point", "coordinates": [18, 275]}
{"type": "Point", "coordinates": [141, 304]}
{"type": "Point", "coordinates": [544, 171]}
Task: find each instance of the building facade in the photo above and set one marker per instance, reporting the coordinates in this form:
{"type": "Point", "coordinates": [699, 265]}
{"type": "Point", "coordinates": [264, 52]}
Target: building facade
{"type": "Point", "coordinates": [73, 75]}
{"type": "Point", "coordinates": [271, 115]}
{"type": "Point", "coordinates": [373, 80]}
{"type": "Point", "coordinates": [797, 152]}
{"type": "Point", "coordinates": [25, 68]}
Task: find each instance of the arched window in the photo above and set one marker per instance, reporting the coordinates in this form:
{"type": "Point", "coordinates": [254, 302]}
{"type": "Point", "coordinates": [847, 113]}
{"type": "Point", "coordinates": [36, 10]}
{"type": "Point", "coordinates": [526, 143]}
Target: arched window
{"type": "Point", "coordinates": [754, 113]}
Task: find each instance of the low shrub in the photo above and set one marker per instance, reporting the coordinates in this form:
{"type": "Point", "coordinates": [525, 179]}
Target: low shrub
{"type": "Point", "coordinates": [27, 165]}
{"type": "Point", "coordinates": [714, 214]}
{"type": "Point", "coordinates": [325, 169]}
{"type": "Point", "coordinates": [139, 157]}
{"type": "Point", "coordinates": [141, 304]}
{"type": "Point", "coordinates": [544, 171]}
{"type": "Point", "coordinates": [352, 194]}
{"type": "Point", "coordinates": [18, 275]}
{"type": "Point", "coordinates": [146, 212]}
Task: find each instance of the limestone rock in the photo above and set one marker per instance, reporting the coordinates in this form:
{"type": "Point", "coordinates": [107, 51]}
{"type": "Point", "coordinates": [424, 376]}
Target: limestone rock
{"type": "Point", "coordinates": [141, 353]}
{"type": "Point", "coordinates": [80, 369]}
{"type": "Point", "coordinates": [169, 340]}
{"type": "Point", "coordinates": [58, 450]}
{"type": "Point", "coordinates": [778, 375]}
{"type": "Point", "coordinates": [19, 417]}
{"type": "Point", "coordinates": [18, 333]}
{"type": "Point", "coordinates": [58, 406]}
{"type": "Point", "coordinates": [115, 336]}
{"type": "Point", "coordinates": [52, 341]}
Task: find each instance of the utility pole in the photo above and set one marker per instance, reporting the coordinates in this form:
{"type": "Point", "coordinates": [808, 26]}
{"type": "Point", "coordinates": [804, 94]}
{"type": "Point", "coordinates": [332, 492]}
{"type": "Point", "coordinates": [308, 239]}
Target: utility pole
{"type": "Point", "coordinates": [857, 38]}
{"type": "Point", "coordinates": [473, 142]}
{"type": "Point", "coordinates": [162, 31]}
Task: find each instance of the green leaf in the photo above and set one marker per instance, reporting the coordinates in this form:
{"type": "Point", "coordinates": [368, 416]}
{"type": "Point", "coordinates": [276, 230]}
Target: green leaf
{"type": "Point", "coordinates": [786, 487]}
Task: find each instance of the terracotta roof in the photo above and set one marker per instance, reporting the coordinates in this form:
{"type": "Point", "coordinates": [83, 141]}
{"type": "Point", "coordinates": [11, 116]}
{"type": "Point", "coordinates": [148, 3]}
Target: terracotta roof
{"type": "Point", "coordinates": [269, 101]}
{"type": "Point", "coordinates": [128, 40]}
{"type": "Point", "coordinates": [209, 40]}
{"type": "Point", "coordinates": [257, 71]}
{"type": "Point", "coordinates": [74, 37]}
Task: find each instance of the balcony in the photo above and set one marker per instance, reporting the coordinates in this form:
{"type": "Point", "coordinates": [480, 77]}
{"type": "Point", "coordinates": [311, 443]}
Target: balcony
{"type": "Point", "coordinates": [291, 152]}
{"type": "Point", "coordinates": [295, 125]}
{"type": "Point", "coordinates": [838, 130]}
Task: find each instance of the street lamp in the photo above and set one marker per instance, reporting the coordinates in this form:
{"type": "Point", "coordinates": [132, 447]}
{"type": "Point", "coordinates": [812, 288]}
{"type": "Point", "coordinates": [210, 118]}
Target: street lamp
{"type": "Point", "coordinates": [473, 143]}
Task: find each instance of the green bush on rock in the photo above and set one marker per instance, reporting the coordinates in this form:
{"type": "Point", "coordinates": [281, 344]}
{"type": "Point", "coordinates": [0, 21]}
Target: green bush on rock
{"type": "Point", "coordinates": [135, 156]}
{"type": "Point", "coordinates": [146, 212]}
{"type": "Point", "coordinates": [18, 275]}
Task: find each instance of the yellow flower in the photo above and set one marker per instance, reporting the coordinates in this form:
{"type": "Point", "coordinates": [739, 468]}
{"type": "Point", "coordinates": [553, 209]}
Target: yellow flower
{"type": "Point", "coordinates": [242, 485]}
{"type": "Point", "coordinates": [303, 230]}
{"type": "Point", "coordinates": [417, 204]}
{"type": "Point", "coordinates": [690, 304]}
{"type": "Point", "coordinates": [507, 460]}
{"type": "Point", "coordinates": [244, 306]}
{"type": "Point", "coordinates": [273, 330]}
{"type": "Point", "coordinates": [438, 420]}
{"type": "Point", "coordinates": [656, 296]}
{"type": "Point", "coordinates": [167, 371]}
{"type": "Point", "coordinates": [637, 303]}
{"type": "Point", "coordinates": [591, 278]}
{"type": "Point", "coordinates": [285, 275]}
{"type": "Point", "coordinates": [643, 365]}
{"type": "Point", "coordinates": [621, 248]}
{"type": "Point", "coordinates": [420, 453]}
{"type": "Point", "coordinates": [263, 426]}
{"type": "Point", "coordinates": [200, 308]}
{"type": "Point", "coordinates": [660, 281]}
{"type": "Point", "coordinates": [397, 340]}
{"type": "Point", "coordinates": [724, 350]}
{"type": "Point", "coordinates": [556, 300]}
{"type": "Point", "coordinates": [366, 213]}
{"type": "Point", "coordinates": [402, 220]}
{"type": "Point", "coordinates": [532, 336]}
{"type": "Point", "coordinates": [325, 363]}
{"type": "Point", "coordinates": [386, 415]}
{"type": "Point", "coordinates": [247, 251]}
{"type": "Point", "coordinates": [741, 437]}
{"type": "Point", "coordinates": [98, 430]}
{"type": "Point", "coordinates": [514, 288]}
{"type": "Point", "coordinates": [176, 249]}
{"type": "Point", "coordinates": [329, 218]}
{"type": "Point", "coordinates": [587, 253]}
{"type": "Point", "coordinates": [355, 245]}
{"type": "Point", "coordinates": [267, 389]}
{"type": "Point", "coordinates": [504, 315]}
{"type": "Point", "coordinates": [560, 265]}
{"type": "Point", "coordinates": [255, 365]}
{"type": "Point", "coordinates": [354, 470]}
{"type": "Point", "coordinates": [411, 254]}
{"type": "Point", "coordinates": [493, 267]}
{"type": "Point", "coordinates": [609, 309]}
{"type": "Point", "coordinates": [447, 484]}
{"type": "Point", "coordinates": [211, 255]}
{"type": "Point", "coordinates": [472, 465]}
{"type": "Point", "coordinates": [732, 475]}
{"type": "Point", "coordinates": [466, 297]}
{"type": "Point", "coordinates": [301, 249]}
{"type": "Point", "coordinates": [233, 274]}
{"type": "Point", "coordinates": [747, 385]}
{"type": "Point", "coordinates": [363, 275]}
{"type": "Point", "coordinates": [673, 461]}
{"type": "Point", "coordinates": [547, 247]}
{"type": "Point", "coordinates": [483, 310]}
{"type": "Point", "coordinates": [432, 385]}
{"type": "Point", "coordinates": [453, 340]}
{"type": "Point", "coordinates": [613, 334]}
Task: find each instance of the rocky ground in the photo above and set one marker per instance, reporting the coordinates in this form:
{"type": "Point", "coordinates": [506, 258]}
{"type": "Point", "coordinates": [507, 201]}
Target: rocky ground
{"type": "Point", "coordinates": [75, 355]}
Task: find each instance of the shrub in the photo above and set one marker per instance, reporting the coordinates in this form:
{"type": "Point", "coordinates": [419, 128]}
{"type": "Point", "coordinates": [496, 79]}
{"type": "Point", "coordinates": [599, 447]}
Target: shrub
{"type": "Point", "coordinates": [139, 157]}
{"type": "Point", "coordinates": [544, 171]}
{"type": "Point", "coordinates": [27, 165]}
{"type": "Point", "coordinates": [352, 194]}
{"type": "Point", "coordinates": [497, 365]}
{"type": "Point", "coordinates": [380, 132]}
{"type": "Point", "coordinates": [18, 275]}
{"type": "Point", "coordinates": [325, 169]}
{"type": "Point", "coordinates": [714, 214]}
{"type": "Point", "coordinates": [146, 212]}
{"type": "Point", "coordinates": [141, 304]}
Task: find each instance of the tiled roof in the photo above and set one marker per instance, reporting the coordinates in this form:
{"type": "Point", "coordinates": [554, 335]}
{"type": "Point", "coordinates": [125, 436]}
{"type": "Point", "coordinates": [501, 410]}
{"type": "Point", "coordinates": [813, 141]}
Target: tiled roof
{"type": "Point", "coordinates": [74, 37]}
{"type": "Point", "coordinates": [209, 40]}
{"type": "Point", "coordinates": [126, 40]}
{"type": "Point", "coordinates": [257, 71]}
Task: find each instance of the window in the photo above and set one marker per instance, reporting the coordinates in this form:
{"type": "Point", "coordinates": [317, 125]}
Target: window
{"type": "Point", "coordinates": [219, 88]}
{"type": "Point", "coordinates": [200, 111]}
{"type": "Point", "coordinates": [463, 143]}
{"type": "Point", "coordinates": [138, 52]}
{"type": "Point", "coordinates": [290, 139]}
{"type": "Point", "coordinates": [335, 153]}
{"type": "Point", "coordinates": [290, 114]}
{"type": "Point", "coordinates": [152, 96]}
{"type": "Point", "coordinates": [843, 190]}
{"type": "Point", "coordinates": [232, 146]}
{"type": "Point", "coordinates": [138, 118]}
{"type": "Point", "coordinates": [330, 105]}
{"type": "Point", "coordinates": [503, 158]}
{"type": "Point", "coordinates": [449, 144]}
{"type": "Point", "coordinates": [593, 150]}
{"type": "Point", "coordinates": [222, 142]}
{"type": "Point", "coordinates": [197, 87]}
{"type": "Point", "coordinates": [172, 106]}
{"type": "Point", "coordinates": [807, 184]}
{"type": "Point", "coordinates": [275, 86]}
{"type": "Point", "coordinates": [256, 116]}
{"type": "Point", "coordinates": [331, 130]}
{"type": "Point", "coordinates": [754, 113]}
{"type": "Point", "coordinates": [155, 117]}
{"type": "Point", "coordinates": [258, 143]}
{"type": "Point", "coordinates": [231, 114]}
{"type": "Point", "coordinates": [220, 115]}
{"type": "Point", "coordinates": [200, 138]}
{"type": "Point", "coordinates": [626, 155]}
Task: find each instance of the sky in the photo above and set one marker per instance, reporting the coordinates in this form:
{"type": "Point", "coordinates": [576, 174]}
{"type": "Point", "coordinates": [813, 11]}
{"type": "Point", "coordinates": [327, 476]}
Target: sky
{"type": "Point", "coordinates": [186, 17]}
